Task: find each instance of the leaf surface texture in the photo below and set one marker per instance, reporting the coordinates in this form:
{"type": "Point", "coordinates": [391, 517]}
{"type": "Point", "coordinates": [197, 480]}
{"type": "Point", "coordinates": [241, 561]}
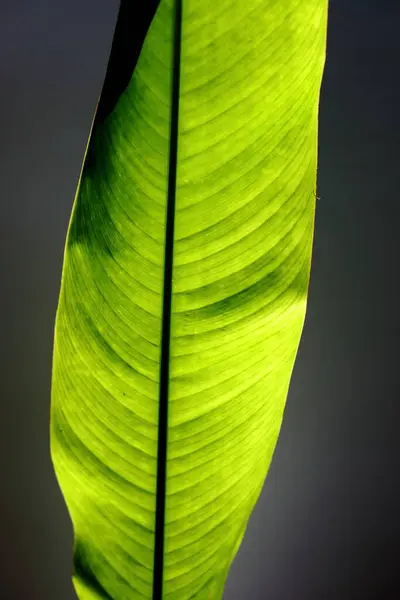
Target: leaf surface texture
{"type": "Point", "coordinates": [244, 203]}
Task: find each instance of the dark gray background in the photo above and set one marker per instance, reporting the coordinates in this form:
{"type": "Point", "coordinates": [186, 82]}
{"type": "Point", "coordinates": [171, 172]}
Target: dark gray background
{"type": "Point", "coordinates": [327, 524]}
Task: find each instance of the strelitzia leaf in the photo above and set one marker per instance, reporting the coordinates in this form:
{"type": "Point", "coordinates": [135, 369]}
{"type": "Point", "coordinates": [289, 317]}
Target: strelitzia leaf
{"type": "Point", "coordinates": [184, 289]}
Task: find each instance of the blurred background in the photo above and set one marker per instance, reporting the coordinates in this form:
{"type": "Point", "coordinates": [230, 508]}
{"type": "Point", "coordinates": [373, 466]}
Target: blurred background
{"type": "Point", "coordinates": [327, 524]}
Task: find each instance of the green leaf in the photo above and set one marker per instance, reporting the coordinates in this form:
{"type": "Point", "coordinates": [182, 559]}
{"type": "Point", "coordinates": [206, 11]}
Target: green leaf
{"type": "Point", "coordinates": [184, 290]}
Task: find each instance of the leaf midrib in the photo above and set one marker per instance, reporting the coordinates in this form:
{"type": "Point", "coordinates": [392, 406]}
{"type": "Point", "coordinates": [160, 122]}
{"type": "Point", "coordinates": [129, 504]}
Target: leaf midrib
{"type": "Point", "coordinates": [166, 315]}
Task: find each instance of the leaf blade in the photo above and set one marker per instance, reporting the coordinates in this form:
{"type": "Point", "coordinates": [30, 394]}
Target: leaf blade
{"type": "Point", "coordinates": [243, 220]}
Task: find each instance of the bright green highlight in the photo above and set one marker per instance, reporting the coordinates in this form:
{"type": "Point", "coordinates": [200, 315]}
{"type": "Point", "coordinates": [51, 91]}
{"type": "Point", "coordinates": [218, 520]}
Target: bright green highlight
{"type": "Point", "coordinates": [247, 153]}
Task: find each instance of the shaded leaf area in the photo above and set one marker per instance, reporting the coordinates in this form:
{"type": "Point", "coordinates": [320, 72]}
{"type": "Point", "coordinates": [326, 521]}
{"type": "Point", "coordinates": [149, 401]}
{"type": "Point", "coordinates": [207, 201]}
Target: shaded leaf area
{"type": "Point", "coordinates": [133, 22]}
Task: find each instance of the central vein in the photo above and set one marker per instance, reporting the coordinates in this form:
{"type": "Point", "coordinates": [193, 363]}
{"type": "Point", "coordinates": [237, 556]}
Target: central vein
{"type": "Point", "coordinates": [166, 317]}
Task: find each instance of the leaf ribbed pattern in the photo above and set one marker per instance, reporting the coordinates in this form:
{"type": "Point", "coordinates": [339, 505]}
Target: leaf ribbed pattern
{"type": "Point", "coordinates": [244, 216]}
